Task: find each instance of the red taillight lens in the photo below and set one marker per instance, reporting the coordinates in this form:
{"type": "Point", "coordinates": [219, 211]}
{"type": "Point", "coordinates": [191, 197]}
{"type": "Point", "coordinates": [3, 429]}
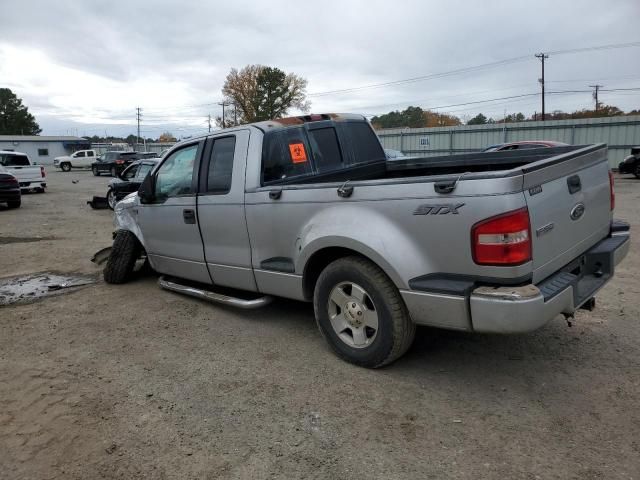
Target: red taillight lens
{"type": "Point", "coordinates": [42, 172]}
{"type": "Point", "coordinates": [502, 240]}
{"type": "Point", "coordinates": [612, 191]}
{"type": "Point", "coordinates": [119, 162]}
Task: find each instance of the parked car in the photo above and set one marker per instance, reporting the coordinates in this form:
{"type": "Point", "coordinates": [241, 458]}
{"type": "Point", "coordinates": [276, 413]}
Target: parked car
{"type": "Point", "coordinates": [129, 180]}
{"type": "Point", "coordinates": [524, 145]}
{"type": "Point", "coordinates": [631, 164]}
{"type": "Point", "coordinates": [30, 177]}
{"type": "Point", "coordinates": [308, 208]}
{"type": "Point", "coordinates": [79, 159]}
{"type": "Point", "coordinates": [115, 162]}
{"type": "Point", "coordinates": [9, 189]}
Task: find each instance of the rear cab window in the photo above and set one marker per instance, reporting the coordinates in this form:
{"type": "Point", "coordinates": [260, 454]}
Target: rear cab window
{"type": "Point", "coordinates": [312, 149]}
{"type": "Point", "coordinates": [14, 160]}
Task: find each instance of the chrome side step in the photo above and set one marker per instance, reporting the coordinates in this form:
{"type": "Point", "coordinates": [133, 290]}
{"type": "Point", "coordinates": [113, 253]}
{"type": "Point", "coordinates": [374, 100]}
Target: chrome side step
{"type": "Point", "coordinates": [212, 296]}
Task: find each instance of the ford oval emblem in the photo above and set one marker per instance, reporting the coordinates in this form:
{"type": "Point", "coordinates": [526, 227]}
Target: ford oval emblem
{"type": "Point", "coordinates": [577, 211]}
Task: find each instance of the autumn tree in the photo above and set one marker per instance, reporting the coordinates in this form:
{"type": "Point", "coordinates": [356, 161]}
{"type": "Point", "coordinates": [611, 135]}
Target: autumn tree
{"type": "Point", "coordinates": [167, 137]}
{"type": "Point", "coordinates": [15, 118]}
{"type": "Point", "coordinates": [262, 93]}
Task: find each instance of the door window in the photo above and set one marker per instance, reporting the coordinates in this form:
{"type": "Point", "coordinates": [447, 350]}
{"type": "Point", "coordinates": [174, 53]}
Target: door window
{"type": "Point", "coordinates": [89, 153]}
{"type": "Point", "coordinates": [79, 155]}
{"type": "Point", "coordinates": [143, 171]}
{"type": "Point", "coordinates": [130, 172]}
{"type": "Point", "coordinates": [176, 173]}
{"type": "Point", "coordinates": [221, 165]}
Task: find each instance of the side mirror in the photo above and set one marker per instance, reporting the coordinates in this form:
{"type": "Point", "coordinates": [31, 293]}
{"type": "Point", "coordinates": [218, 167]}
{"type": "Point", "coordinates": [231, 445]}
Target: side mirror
{"type": "Point", "coordinates": [145, 192]}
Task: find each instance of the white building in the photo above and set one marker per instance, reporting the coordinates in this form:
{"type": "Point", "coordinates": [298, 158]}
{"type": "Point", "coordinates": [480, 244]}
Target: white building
{"type": "Point", "coordinates": [42, 149]}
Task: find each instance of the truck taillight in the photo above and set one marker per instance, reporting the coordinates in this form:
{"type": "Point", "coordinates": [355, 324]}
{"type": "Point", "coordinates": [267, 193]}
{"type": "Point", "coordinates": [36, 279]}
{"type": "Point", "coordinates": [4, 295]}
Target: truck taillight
{"type": "Point", "coordinates": [119, 162]}
{"type": "Point", "coordinates": [502, 240]}
{"type": "Point", "coordinates": [42, 172]}
{"type": "Point", "coordinates": [612, 192]}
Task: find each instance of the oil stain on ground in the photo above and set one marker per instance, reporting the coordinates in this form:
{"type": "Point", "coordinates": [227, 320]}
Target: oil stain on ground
{"type": "Point", "coordinates": [7, 240]}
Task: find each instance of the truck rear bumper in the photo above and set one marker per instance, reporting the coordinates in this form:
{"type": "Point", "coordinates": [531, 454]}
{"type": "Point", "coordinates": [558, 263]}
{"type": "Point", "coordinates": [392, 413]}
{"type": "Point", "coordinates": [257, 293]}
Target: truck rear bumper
{"type": "Point", "coordinates": [520, 309]}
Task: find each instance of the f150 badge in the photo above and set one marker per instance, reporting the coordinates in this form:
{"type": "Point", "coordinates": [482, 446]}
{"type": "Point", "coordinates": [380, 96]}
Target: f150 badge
{"type": "Point", "coordinates": [438, 209]}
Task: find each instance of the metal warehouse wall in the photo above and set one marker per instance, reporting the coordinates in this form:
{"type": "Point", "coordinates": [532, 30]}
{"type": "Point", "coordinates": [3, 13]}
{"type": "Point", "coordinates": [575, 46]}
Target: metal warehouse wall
{"type": "Point", "coordinates": [619, 133]}
{"type": "Point", "coordinates": [54, 149]}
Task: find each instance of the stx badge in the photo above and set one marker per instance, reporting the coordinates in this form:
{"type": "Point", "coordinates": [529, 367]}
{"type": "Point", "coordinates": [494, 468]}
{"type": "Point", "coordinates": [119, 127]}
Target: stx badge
{"type": "Point", "coordinates": [440, 209]}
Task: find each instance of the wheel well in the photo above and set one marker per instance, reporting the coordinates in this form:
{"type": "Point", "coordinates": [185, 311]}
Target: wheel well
{"type": "Point", "coordinates": [318, 262]}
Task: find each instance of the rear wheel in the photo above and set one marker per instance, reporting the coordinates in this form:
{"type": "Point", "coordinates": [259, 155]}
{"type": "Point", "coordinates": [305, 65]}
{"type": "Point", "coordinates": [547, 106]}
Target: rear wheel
{"type": "Point", "coordinates": [111, 199]}
{"type": "Point", "coordinates": [361, 314]}
{"type": "Point", "coordinates": [124, 253]}
{"type": "Point", "coordinates": [15, 204]}
{"type": "Point", "coordinates": [113, 171]}
{"type": "Point", "coordinates": [95, 171]}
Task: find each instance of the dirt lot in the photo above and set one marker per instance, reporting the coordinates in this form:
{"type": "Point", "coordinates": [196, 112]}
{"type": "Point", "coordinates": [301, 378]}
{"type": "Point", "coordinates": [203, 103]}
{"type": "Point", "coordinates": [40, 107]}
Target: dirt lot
{"type": "Point", "coordinates": [135, 382]}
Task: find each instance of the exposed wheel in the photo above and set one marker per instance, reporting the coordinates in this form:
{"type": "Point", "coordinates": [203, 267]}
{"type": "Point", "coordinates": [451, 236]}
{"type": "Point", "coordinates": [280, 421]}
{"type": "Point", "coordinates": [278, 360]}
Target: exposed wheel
{"type": "Point", "coordinates": [124, 253]}
{"type": "Point", "coordinates": [637, 170]}
{"type": "Point", "coordinates": [95, 171]}
{"type": "Point", "coordinates": [113, 171]}
{"type": "Point", "coordinates": [111, 199]}
{"type": "Point", "coordinates": [66, 167]}
{"type": "Point", "coordinates": [361, 314]}
{"type": "Point", "coordinates": [15, 204]}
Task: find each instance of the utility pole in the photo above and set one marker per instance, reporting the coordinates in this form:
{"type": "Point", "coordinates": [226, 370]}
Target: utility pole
{"type": "Point", "coordinates": [224, 104]}
{"type": "Point", "coordinates": [595, 94]}
{"type": "Point", "coordinates": [542, 57]}
{"type": "Point", "coordinates": [209, 122]}
{"type": "Point", "coordinates": [138, 117]}
{"type": "Point", "coordinates": [235, 114]}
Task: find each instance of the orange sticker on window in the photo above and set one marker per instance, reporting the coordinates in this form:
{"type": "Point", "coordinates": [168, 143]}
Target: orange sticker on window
{"type": "Point", "coordinates": [298, 155]}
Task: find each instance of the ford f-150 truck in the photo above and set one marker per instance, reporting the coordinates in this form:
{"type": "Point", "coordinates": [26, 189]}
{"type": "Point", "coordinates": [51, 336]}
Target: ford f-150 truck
{"type": "Point", "coordinates": [308, 208]}
{"type": "Point", "coordinates": [30, 177]}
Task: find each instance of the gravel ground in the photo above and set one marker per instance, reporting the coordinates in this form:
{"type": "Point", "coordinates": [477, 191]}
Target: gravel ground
{"type": "Point", "coordinates": [134, 382]}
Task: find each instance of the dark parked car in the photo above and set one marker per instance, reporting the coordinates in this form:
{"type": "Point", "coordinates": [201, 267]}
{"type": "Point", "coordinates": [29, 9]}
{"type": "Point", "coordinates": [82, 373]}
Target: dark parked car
{"type": "Point", "coordinates": [524, 145]}
{"type": "Point", "coordinates": [9, 189]}
{"type": "Point", "coordinates": [631, 164]}
{"type": "Point", "coordinates": [115, 162]}
{"type": "Point", "coordinates": [129, 181]}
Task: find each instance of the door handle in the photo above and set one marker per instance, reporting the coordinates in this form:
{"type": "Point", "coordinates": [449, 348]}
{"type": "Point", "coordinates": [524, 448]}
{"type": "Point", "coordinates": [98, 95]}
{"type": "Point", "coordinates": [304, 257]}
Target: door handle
{"type": "Point", "coordinates": [275, 194]}
{"type": "Point", "coordinates": [574, 184]}
{"type": "Point", "coordinates": [189, 216]}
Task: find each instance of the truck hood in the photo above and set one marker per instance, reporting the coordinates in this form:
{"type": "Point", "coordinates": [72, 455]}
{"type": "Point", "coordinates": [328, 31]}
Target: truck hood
{"type": "Point", "coordinates": [64, 157]}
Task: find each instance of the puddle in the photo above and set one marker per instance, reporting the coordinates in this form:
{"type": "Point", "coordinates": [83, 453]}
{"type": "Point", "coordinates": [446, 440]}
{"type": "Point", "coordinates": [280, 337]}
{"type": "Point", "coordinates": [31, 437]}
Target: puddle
{"type": "Point", "coordinates": [28, 288]}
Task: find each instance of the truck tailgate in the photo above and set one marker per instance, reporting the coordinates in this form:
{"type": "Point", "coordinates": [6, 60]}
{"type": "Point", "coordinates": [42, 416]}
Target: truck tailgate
{"type": "Point", "coordinates": [26, 174]}
{"type": "Point", "coordinates": [569, 206]}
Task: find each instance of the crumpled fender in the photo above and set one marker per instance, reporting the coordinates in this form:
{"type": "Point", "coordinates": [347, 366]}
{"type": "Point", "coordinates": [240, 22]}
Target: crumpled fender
{"type": "Point", "coordinates": [125, 218]}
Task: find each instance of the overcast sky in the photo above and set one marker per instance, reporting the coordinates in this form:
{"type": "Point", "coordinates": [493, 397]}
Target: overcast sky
{"type": "Point", "coordinates": [85, 66]}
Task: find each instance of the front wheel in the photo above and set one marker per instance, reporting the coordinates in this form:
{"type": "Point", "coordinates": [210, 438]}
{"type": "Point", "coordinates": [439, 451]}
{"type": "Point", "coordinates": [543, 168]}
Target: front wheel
{"type": "Point", "coordinates": [124, 253]}
{"type": "Point", "coordinates": [15, 204]}
{"type": "Point", "coordinates": [361, 314]}
{"type": "Point", "coordinates": [111, 199]}
{"type": "Point", "coordinates": [66, 167]}
{"type": "Point", "coordinates": [95, 171]}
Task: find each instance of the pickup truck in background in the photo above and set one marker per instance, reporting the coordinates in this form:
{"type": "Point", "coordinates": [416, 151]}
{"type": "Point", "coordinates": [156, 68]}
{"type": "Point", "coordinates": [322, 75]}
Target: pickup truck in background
{"type": "Point", "coordinates": [30, 177]}
{"type": "Point", "coordinates": [79, 159]}
{"type": "Point", "coordinates": [631, 164]}
{"type": "Point", "coordinates": [308, 208]}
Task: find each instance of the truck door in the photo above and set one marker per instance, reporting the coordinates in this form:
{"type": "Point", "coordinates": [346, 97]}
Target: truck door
{"type": "Point", "coordinates": [89, 159]}
{"type": "Point", "coordinates": [170, 224]}
{"type": "Point", "coordinates": [221, 210]}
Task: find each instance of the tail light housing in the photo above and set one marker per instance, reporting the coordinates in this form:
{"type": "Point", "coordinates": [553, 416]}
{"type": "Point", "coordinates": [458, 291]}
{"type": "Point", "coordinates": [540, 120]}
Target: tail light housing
{"type": "Point", "coordinates": [612, 191]}
{"type": "Point", "coordinates": [42, 172]}
{"type": "Point", "coordinates": [119, 162]}
{"type": "Point", "coordinates": [503, 240]}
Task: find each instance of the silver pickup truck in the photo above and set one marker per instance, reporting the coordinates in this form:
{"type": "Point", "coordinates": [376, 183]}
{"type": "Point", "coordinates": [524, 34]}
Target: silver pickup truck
{"type": "Point", "coordinates": [310, 209]}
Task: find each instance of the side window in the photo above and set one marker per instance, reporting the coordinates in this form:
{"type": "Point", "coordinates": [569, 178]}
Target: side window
{"type": "Point", "coordinates": [143, 171]}
{"type": "Point", "coordinates": [130, 172]}
{"type": "Point", "coordinates": [221, 165]}
{"type": "Point", "coordinates": [285, 154]}
{"type": "Point", "coordinates": [326, 150]}
{"type": "Point", "coordinates": [90, 153]}
{"type": "Point", "coordinates": [80, 155]}
{"type": "Point", "coordinates": [366, 146]}
{"type": "Point", "coordinates": [175, 175]}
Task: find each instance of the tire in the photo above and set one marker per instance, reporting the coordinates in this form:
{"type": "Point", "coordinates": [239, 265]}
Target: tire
{"type": "Point", "coordinates": [95, 171]}
{"type": "Point", "coordinates": [636, 172]}
{"type": "Point", "coordinates": [111, 199]}
{"type": "Point", "coordinates": [15, 204]}
{"type": "Point", "coordinates": [124, 253]}
{"type": "Point", "coordinates": [66, 167]}
{"type": "Point", "coordinates": [113, 171]}
{"type": "Point", "coordinates": [359, 283]}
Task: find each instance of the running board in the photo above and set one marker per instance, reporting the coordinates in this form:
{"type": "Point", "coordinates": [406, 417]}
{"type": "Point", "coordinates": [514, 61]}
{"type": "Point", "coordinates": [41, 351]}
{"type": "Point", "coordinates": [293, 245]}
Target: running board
{"type": "Point", "coordinates": [212, 296]}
